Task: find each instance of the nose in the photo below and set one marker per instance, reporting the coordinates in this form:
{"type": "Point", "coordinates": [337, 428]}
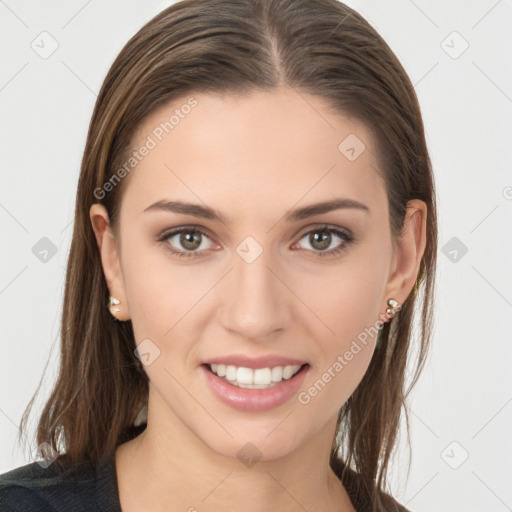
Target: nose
{"type": "Point", "coordinates": [255, 302]}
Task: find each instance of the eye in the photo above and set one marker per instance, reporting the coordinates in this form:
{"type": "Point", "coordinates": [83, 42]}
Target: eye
{"type": "Point", "coordinates": [189, 241]}
{"type": "Point", "coordinates": [322, 237]}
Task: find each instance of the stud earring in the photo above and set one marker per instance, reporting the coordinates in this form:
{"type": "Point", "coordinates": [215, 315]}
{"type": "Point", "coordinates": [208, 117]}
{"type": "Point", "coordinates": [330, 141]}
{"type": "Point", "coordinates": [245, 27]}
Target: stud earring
{"type": "Point", "coordinates": [112, 301]}
{"type": "Point", "coordinates": [393, 308]}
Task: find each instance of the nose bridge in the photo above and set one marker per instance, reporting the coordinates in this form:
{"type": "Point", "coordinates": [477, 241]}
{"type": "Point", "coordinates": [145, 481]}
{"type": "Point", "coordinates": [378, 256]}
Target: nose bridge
{"type": "Point", "coordinates": [255, 302]}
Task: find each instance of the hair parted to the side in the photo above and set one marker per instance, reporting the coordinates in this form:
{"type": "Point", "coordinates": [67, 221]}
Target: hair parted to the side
{"type": "Point", "coordinates": [320, 47]}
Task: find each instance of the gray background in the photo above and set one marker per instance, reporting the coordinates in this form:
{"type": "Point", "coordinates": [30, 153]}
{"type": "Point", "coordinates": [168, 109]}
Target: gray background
{"type": "Point", "coordinates": [461, 409]}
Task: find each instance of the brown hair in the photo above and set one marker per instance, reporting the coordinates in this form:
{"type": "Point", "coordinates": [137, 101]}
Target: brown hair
{"type": "Point", "coordinates": [320, 47]}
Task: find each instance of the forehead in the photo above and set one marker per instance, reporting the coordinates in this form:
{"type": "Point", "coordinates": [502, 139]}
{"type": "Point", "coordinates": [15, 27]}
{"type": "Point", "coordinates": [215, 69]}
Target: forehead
{"type": "Point", "coordinates": [251, 152]}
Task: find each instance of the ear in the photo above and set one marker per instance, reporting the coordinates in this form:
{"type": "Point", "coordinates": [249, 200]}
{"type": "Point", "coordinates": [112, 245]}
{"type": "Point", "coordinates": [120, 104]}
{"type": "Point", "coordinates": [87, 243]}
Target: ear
{"type": "Point", "coordinates": [409, 250]}
{"type": "Point", "coordinates": [110, 260]}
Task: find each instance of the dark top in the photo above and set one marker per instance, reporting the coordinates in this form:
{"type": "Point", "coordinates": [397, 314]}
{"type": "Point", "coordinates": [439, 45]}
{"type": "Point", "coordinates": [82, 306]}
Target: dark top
{"type": "Point", "coordinates": [34, 488]}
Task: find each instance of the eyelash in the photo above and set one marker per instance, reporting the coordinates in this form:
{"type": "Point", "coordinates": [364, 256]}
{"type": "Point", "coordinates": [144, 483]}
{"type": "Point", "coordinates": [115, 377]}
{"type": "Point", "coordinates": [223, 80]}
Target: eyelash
{"type": "Point", "coordinates": [344, 235]}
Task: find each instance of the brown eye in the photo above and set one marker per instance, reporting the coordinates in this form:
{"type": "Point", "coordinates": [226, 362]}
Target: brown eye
{"type": "Point", "coordinates": [188, 242]}
{"type": "Point", "coordinates": [321, 238]}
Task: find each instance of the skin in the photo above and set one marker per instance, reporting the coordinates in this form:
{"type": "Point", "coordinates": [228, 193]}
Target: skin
{"type": "Point", "coordinates": [254, 158]}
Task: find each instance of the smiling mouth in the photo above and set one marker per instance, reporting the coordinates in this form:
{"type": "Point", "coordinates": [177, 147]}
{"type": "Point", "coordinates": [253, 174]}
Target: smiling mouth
{"type": "Point", "coordinates": [257, 378]}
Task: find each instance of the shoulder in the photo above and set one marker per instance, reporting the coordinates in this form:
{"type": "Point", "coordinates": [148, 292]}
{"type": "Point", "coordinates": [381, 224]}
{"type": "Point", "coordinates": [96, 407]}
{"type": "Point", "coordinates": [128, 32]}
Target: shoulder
{"type": "Point", "coordinates": [60, 487]}
{"type": "Point", "coordinates": [360, 496]}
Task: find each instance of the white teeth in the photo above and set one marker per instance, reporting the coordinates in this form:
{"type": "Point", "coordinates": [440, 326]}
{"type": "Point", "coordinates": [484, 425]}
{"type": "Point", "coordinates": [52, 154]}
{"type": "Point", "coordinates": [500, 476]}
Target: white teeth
{"type": "Point", "coordinates": [259, 378]}
{"type": "Point", "coordinates": [287, 372]}
{"type": "Point", "coordinates": [244, 375]}
{"type": "Point", "coordinates": [231, 372]}
{"type": "Point", "coordinates": [277, 374]}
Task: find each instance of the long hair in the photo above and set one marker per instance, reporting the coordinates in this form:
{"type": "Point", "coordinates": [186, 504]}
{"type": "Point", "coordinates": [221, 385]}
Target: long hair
{"type": "Point", "coordinates": [319, 47]}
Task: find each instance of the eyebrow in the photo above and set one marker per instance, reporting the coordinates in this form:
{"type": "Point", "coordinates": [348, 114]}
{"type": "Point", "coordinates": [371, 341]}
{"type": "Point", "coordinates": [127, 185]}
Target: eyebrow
{"type": "Point", "coordinates": [197, 210]}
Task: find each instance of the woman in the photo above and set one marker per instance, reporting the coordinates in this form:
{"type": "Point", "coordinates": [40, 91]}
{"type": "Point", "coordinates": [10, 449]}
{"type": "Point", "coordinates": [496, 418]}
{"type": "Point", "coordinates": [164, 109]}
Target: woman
{"type": "Point", "coordinates": [256, 206]}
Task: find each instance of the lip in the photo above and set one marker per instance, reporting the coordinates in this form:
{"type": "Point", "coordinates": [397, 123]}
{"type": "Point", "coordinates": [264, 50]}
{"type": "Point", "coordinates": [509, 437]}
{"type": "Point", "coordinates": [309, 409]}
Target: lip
{"type": "Point", "coordinates": [246, 399]}
{"type": "Point", "coordinates": [268, 361]}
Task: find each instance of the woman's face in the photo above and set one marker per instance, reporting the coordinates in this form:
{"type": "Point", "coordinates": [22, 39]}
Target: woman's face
{"type": "Point", "coordinates": [274, 283]}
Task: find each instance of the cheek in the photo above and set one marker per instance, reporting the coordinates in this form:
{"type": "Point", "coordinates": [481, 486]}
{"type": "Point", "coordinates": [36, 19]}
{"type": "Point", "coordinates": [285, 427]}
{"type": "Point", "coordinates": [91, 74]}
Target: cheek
{"type": "Point", "coordinates": [156, 290]}
{"type": "Point", "coordinates": [166, 300]}
{"type": "Point", "coordinates": [341, 357]}
{"type": "Point", "coordinates": [344, 300]}
{"type": "Point", "coordinates": [346, 303]}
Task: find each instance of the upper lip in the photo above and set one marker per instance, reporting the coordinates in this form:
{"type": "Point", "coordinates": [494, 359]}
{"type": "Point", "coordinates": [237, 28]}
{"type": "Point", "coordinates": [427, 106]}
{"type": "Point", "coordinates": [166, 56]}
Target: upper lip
{"type": "Point", "coordinates": [268, 361]}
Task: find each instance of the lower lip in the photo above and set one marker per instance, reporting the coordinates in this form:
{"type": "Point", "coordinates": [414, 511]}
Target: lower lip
{"type": "Point", "coordinates": [246, 399]}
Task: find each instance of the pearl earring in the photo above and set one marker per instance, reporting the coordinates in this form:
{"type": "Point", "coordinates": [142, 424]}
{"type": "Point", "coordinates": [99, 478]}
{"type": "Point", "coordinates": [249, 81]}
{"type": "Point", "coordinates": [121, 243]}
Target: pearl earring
{"type": "Point", "coordinates": [393, 308]}
{"type": "Point", "coordinates": [112, 301]}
